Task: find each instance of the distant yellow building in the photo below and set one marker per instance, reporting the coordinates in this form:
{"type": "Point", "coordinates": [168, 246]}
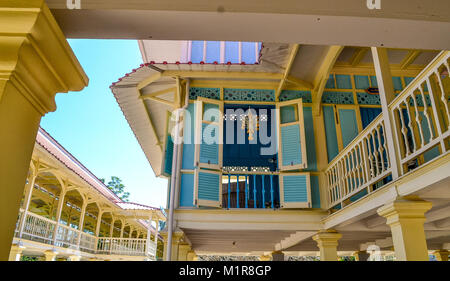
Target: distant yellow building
{"type": "Point", "coordinates": [68, 213]}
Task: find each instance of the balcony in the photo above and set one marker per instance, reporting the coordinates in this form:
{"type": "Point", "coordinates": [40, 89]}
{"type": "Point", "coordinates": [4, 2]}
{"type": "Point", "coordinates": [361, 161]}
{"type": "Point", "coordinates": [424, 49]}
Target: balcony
{"type": "Point", "coordinates": [420, 122]}
{"type": "Point", "coordinates": [250, 190]}
{"type": "Point", "coordinates": [40, 229]}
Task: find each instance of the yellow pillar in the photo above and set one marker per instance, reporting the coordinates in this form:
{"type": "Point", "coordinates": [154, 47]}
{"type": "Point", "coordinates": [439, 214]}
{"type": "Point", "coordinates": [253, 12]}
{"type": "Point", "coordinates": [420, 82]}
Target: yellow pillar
{"type": "Point", "coordinates": [183, 250]}
{"type": "Point", "coordinates": [36, 62]}
{"type": "Point", "coordinates": [265, 258]}
{"type": "Point", "coordinates": [191, 256]}
{"type": "Point", "coordinates": [176, 240]}
{"type": "Point", "coordinates": [361, 255]}
{"type": "Point", "coordinates": [406, 217]}
{"type": "Point", "coordinates": [16, 252]}
{"type": "Point", "coordinates": [50, 255]}
{"type": "Point", "coordinates": [441, 255]}
{"type": "Point", "coordinates": [74, 258]}
{"type": "Point", "coordinates": [327, 241]}
{"type": "Point", "coordinates": [277, 256]}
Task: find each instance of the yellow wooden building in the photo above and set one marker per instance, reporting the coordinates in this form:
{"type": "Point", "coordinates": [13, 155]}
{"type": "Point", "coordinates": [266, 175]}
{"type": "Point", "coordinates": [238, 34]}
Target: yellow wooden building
{"type": "Point", "coordinates": [67, 213]}
{"type": "Point", "coordinates": [317, 128]}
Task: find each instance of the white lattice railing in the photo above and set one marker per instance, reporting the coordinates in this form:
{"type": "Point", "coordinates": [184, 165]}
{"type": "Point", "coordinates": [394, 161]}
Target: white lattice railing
{"type": "Point", "coordinates": [421, 113]}
{"type": "Point", "coordinates": [41, 229]}
{"type": "Point", "coordinates": [37, 228]}
{"type": "Point", "coordinates": [88, 242]}
{"type": "Point", "coordinates": [122, 246]}
{"type": "Point", "coordinates": [67, 236]}
{"type": "Point", "coordinates": [362, 163]}
{"type": "Point", "coordinates": [422, 132]}
{"type": "Point", "coordinates": [151, 250]}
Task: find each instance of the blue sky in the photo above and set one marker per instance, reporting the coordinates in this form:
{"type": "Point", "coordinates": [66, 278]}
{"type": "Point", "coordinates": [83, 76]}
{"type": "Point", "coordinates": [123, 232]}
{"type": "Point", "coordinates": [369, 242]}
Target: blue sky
{"type": "Point", "coordinates": [91, 126]}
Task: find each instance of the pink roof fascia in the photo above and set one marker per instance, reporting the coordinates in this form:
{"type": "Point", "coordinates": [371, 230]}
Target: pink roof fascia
{"type": "Point", "coordinates": [135, 206]}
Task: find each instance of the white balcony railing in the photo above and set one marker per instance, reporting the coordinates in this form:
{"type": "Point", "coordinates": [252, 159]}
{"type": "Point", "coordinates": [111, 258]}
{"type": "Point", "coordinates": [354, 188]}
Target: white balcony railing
{"type": "Point", "coordinates": [40, 229]}
{"type": "Point", "coordinates": [122, 246]}
{"type": "Point", "coordinates": [422, 130]}
{"type": "Point", "coordinates": [362, 163]}
{"type": "Point", "coordinates": [88, 242]}
{"type": "Point", "coordinates": [67, 237]}
{"type": "Point", "coordinates": [37, 228]}
{"type": "Point", "coordinates": [421, 113]}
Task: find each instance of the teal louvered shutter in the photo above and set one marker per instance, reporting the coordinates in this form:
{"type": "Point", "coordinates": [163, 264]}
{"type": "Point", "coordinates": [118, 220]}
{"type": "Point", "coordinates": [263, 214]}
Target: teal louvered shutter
{"type": "Point", "coordinates": [208, 188]}
{"type": "Point", "coordinates": [295, 190]}
{"type": "Point", "coordinates": [166, 163]}
{"type": "Point", "coordinates": [168, 155]}
{"type": "Point", "coordinates": [291, 136]}
{"type": "Point", "coordinates": [208, 140]}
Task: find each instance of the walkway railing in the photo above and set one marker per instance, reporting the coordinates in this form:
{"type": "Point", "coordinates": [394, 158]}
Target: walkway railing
{"type": "Point", "coordinates": [422, 132]}
{"type": "Point", "coordinates": [67, 237]}
{"type": "Point", "coordinates": [250, 190]}
{"type": "Point", "coordinates": [362, 163]}
{"type": "Point", "coordinates": [37, 228]}
{"type": "Point", "coordinates": [88, 243]}
{"type": "Point", "coordinates": [40, 229]}
{"type": "Point", "coordinates": [421, 113]}
{"type": "Point", "coordinates": [122, 246]}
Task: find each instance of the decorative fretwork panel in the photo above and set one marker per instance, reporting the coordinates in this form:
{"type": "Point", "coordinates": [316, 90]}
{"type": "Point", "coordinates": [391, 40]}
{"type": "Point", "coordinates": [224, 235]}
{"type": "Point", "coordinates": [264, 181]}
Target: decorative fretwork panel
{"type": "Point", "coordinates": [248, 94]}
{"type": "Point", "coordinates": [338, 98]}
{"type": "Point", "coordinates": [291, 95]}
{"type": "Point", "coordinates": [260, 169]}
{"type": "Point", "coordinates": [210, 93]}
{"type": "Point", "coordinates": [368, 99]}
{"type": "Point", "coordinates": [230, 169]}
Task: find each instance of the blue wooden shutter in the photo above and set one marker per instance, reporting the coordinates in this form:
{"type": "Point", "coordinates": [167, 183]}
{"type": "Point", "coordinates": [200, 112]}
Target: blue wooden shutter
{"type": "Point", "coordinates": [295, 190]}
{"type": "Point", "coordinates": [208, 188]}
{"type": "Point", "coordinates": [166, 163]}
{"type": "Point", "coordinates": [168, 155]}
{"type": "Point", "coordinates": [291, 136]}
{"type": "Point", "coordinates": [208, 140]}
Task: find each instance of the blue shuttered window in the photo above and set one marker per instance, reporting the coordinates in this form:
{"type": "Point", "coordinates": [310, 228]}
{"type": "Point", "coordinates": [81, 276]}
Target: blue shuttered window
{"type": "Point", "coordinates": [208, 188]}
{"type": "Point", "coordinates": [209, 153]}
{"type": "Point", "coordinates": [348, 125]}
{"type": "Point", "coordinates": [290, 145]}
{"type": "Point", "coordinates": [295, 190]}
{"type": "Point", "coordinates": [291, 136]}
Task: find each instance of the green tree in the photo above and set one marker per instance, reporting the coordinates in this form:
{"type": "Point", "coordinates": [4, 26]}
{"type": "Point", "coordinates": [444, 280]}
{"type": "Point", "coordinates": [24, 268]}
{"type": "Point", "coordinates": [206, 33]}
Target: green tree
{"type": "Point", "coordinates": [116, 186]}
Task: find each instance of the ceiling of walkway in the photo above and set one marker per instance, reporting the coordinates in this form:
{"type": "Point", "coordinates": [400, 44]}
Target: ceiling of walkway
{"type": "Point", "coordinates": [414, 24]}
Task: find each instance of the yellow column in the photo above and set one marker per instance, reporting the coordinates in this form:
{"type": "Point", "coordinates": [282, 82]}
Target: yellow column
{"type": "Point", "coordinates": [265, 258]}
{"type": "Point", "coordinates": [191, 256]}
{"type": "Point", "coordinates": [36, 62]}
{"type": "Point", "coordinates": [176, 240]}
{"type": "Point", "coordinates": [50, 255]}
{"type": "Point", "coordinates": [361, 256]}
{"type": "Point", "coordinates": [327, 241]}
{"type": "Point", "coordinates": [16, 252]}
{"type": "Point", "coordinates": [277, 256]}
{"type": "Point", "coordinates": [74, 258]}
{"type": "Point", "coordinates": [183, 250]}
{"type": "Point", "coordinates": [441, 255]}
{"type": "Point", "coordinates": [406, 217]}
